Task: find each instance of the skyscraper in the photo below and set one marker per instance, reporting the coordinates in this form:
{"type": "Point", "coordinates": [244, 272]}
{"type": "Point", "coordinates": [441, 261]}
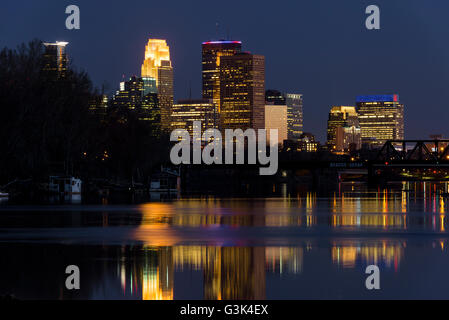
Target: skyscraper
{"type": "Point", "coordinates": [157, 65]}
{"type": "Point", "coordinates": [340, 116]}
{"type": "Point", "coordinates": [294, 104]}
{"type": "Point", "coordinates": [381, 118]}
{"type": "Point", "coordinates": [213, 51]}
{"type": "Point", "coordinates": [55, 59]}
{"type": "Point", "coordinates": [242, 91]}
{"type": "Point", "coordinates": [294, 110]}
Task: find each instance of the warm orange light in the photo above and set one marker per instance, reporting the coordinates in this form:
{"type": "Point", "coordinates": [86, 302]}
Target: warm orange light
{"type": "Point", "coordinates": [156, 51]}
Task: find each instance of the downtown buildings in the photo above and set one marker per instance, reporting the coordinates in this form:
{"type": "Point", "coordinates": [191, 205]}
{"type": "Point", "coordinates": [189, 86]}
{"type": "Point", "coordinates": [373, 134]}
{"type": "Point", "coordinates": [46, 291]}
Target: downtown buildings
{"type": "Point", "coordinates": [150, 96]}
{"type": "Point", "coordinates": [157, 67]}
{"type": "Point", "coordinates": [375, 120]}
{"type": "Point", "coordinates": [343, 130]}
{"type": "Point", "coordinates": [294, 105]}
{"type": "Point", "coordinates": [233, 90]}
{"type": "Point", "coordinates": [381, 118]}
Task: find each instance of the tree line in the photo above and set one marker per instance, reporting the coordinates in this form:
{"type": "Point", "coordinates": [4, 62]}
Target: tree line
{"type": "Point", "coordinates": [47, 127]}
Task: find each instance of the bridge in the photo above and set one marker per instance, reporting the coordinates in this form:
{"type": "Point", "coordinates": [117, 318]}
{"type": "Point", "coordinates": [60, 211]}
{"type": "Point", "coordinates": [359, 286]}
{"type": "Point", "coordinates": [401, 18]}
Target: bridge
{"type": "Point", "coordinates": [396, 160]}
{"type": "Point", "coordinates": [412, 160]}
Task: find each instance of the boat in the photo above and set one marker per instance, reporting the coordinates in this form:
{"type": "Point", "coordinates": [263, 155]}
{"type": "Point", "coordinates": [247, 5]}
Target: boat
{"type": "Point", "coordinates": [64, 185]}
{"type": "Point", "coordinates": [165, 184]}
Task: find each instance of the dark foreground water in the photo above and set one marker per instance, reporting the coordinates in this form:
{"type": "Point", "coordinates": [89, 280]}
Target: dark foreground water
{"type": "Point", "coordinates": [302, 247]}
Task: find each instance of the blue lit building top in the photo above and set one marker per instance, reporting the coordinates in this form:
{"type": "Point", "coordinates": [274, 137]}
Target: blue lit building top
{"type": "Point", "coordinates": [379, 98]}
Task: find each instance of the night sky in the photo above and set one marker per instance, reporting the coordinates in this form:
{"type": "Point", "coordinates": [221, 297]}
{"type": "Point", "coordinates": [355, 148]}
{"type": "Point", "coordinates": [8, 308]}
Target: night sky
{"type": "Point", "coordinates": [319, 48]}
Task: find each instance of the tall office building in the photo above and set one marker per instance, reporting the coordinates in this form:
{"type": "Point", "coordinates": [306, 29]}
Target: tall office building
{"type": "Point", "coordinates": [55, 59]}
{"type": "Point", "coordinates": [213, 51]}
{"type": "Point", "coordinates": [242, 92]}
{"type": "Point", "coordinates": [381, 118]}
{"type": "Point", "coordinates": [340, 116]}
{"type": "Point", "coordinates": [157, 65]}
{"type": "Point", "coordinates": [294, 104]}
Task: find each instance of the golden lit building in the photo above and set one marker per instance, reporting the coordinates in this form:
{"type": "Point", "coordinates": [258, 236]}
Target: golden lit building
{"type": "Point", "coordinates": [276, 118]}
{"type": "Point", "coordinates": [212, 53]}
{"type": "Point", "coordinates": [242, 92]}
{"type": "Point", "coordinates": [339, 116]}
{"type": "Point", "coordinates": [157, 65]}
{"type": "Point", "coordinates": [381, 118]}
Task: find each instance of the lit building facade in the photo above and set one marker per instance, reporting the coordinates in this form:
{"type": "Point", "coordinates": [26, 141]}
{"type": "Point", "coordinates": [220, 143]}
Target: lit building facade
{"type": "Point", "coordinates": [138, 95]}
{"type": "Point", "coordinates": [157, 67]}
{"type": "Point", "coordinates": [294, 103]}
{"type": "Point", "coordinates": [308, 143]}
{"type": "Point", "coordinates": [242, 92]}
{"type": "Point", "coordinates": [348, 139]}
{"type": "Point", "coordinates": [186, 112]}
{"type": "Point", "coordinates": [339, 116]}
{"type": "Point", "coordinates": [213, 51]}
{"type": "Point", "coordinates": [55, 59]}
{"type": "Point", "coordinates": [381, 118]}
{"type": "Point", "coordinates": [276, 118]}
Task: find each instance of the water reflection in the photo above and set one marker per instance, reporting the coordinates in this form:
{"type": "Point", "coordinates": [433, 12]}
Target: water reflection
{"type": "Point", "coordinates": [224, 249]}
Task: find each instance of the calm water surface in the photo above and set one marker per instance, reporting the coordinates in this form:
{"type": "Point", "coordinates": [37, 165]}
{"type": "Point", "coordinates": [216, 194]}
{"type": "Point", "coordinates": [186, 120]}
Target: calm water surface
{"type": "Point", "coordinates": [303, 247]}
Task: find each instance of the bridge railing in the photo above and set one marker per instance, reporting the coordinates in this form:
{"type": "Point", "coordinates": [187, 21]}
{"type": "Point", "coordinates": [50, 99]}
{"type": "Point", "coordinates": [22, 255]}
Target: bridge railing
{"type": "Point", "coordinates": [415, 150]}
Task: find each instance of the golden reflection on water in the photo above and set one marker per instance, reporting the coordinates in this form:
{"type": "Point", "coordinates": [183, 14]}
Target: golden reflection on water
{"type": "Point", "coordinates": [241, 272]}
{"type": "Point", "coordinates": [346, 254]}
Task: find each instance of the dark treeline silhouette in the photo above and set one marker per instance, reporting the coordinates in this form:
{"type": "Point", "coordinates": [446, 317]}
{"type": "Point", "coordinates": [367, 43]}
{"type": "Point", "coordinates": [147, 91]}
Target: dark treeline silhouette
{"type": "Point", "coordinates": [46, 126]}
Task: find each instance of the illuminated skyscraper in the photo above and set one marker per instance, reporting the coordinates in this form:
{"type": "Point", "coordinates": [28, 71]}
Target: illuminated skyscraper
{"type": "Point", "coordinates": [55, 59]}
{"type": "Point", "coordinates": [340, 116]}
{"type": "Point", "coordinates": [294, 104]}
{"type": "Point", "coordinates": [381, 118]}
{"type": "Point", "coordinates": [212, 53]}
{"type": "Point", "coordinates": [242, 92]}
{"type": "Point", "coordinates": [157, 65]}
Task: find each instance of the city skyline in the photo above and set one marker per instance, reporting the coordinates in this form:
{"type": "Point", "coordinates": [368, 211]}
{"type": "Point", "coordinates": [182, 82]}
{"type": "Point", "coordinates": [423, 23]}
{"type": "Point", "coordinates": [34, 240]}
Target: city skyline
{"type": "Point", "coordinates": [356, 65]}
